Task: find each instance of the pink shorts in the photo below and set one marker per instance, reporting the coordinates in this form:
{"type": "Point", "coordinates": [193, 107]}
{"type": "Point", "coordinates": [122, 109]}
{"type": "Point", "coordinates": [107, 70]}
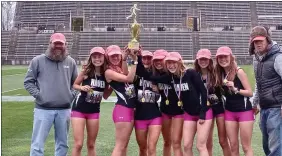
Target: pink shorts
{"type": "Point", "coordinates": [144, 124]}
{"type": "Point", "coordinates": [188, 117]}
{"type": "Point", "coordinates": [76, 114]}
{"type": "Point", "coordinates": [168, 117]}
{"type": "Point", "coordinates": [239, 116]}
{"type": "Point", "coordinates": [123, 114]}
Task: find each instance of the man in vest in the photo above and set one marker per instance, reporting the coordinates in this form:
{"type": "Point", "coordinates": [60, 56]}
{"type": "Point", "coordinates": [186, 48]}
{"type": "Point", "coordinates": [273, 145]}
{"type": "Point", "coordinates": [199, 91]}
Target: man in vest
{"type": "Point", "coordinates": [268, 92]}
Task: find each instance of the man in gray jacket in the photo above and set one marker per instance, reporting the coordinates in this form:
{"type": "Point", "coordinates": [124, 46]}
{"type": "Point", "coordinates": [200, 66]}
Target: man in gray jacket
{"type": "Point", "coordinates": [49, 80]}
{"type": "Point", "coordinates": [268, 92]}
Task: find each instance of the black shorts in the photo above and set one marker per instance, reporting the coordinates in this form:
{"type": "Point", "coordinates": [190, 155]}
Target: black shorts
{"type": "Point", "coordinates": [217, 110]}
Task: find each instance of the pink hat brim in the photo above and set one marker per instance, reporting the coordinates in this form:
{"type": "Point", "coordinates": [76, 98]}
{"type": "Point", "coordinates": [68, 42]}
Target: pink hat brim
{"type": "Point", "coordinates": [170, 58]}
{"type": "Point", "coordinates": [114, 52]}
{"type": "Point", "coordinates": [58, 40]}
{"type": "Point", "coordinates": [203, 56]}
{"type": "Point", "coordinates": [259, 38]}
{"type": "Point", "coordinates": [158, 57]}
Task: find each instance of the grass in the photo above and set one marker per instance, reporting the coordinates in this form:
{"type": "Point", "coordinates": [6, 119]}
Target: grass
{"type": "Point", "coordinates": [17, 119]}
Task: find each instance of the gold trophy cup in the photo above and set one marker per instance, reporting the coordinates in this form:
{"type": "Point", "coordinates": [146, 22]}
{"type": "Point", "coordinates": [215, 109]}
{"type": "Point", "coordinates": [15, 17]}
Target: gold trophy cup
{"type": "Point", "coordinates": [134, 29]}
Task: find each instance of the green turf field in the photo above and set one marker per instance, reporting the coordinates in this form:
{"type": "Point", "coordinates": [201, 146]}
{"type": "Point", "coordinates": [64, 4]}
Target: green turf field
{"type": "Point", "coordinates": [17, 119]}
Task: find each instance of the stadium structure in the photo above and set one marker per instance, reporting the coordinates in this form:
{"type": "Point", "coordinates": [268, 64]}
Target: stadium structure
{"type": "Point", "coordinates": [175, 26]}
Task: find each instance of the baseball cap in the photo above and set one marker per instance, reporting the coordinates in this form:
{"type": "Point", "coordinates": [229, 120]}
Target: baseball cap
{"type": "Point", "coordinates": [97, 50]}
{"type": "Point", "coordinates": [159, 54]}
{"type": "Point", "coordinates": [113, 49]}
{"type": "Point", "coordinates": [58, 37]}
{"type": "Point", "coordinates": [173, 56]}
{"type": "Point", "coordinates": [146, 53]}
{"type": "Point", "coordinates": [203, 53]}
{"type": "Point", "coordinates": [223, 51]}
{"type": "Point", "coordinates": [258, 33]}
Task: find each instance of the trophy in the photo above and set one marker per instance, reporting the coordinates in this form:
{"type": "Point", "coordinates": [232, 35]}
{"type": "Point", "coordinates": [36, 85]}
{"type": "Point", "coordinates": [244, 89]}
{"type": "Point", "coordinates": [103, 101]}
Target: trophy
{"type": "Point", "coordinates": [134, 29]}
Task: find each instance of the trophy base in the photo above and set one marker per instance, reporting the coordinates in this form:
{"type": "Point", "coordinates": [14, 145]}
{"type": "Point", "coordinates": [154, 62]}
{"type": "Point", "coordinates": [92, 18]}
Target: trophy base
{"type": "Point", "coordinates": [133, 45]}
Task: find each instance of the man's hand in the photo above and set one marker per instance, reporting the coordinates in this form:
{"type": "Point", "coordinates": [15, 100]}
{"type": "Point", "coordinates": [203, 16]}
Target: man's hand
{"type": "Point", "coordinates": [257, 110]}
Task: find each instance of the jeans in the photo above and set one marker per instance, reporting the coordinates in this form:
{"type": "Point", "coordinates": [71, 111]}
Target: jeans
{"type": "Point", "coordinates": [271, 128]}
{"type": "Point", "coordinates": [42, 123]}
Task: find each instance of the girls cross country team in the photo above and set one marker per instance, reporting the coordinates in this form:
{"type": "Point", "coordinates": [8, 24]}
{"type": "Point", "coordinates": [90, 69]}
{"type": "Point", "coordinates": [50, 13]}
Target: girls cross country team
{"type": "Point", "coordinates": [192, 100]}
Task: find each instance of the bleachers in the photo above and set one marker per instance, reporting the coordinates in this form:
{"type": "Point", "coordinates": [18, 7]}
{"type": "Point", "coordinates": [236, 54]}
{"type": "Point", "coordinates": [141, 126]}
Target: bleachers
{"type": "Point", "coordinates": [171, 41]}
{"type": "Point", "coordinates": [272, 12]}
{"type": "Point", "coordinates": [5, 38]}
{"type": "Point", "coordinates": [277, 36]}
{"type": "Point", "coordinates": [225, 13]}
{"type": "Point", "coordinates": [163, 13]}
{"type": "Point", "coordinates": [101, 14]}
{"type": "Point", "coordinates": [31, 44]}
{"type": "Point", "coordinates": [172, 14]}
{"type": "Point", "coordinates": [237, 41]}
{"type": "Point", "coordinates": [34, 13]}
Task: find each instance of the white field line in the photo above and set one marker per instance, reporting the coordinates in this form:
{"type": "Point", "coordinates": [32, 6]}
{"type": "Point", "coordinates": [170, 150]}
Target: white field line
{"type": "Point", "coordinates": [11, 90]}
{"type": "Point", "coordinates": [13, 75]}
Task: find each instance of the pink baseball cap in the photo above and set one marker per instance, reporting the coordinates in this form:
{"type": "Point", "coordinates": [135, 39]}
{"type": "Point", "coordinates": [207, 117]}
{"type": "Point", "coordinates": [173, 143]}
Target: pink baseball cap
{"type": "Point", "coordinates": [203, 53]}
{"type": "Point", "coordinates": [146, 53]}
{"type": "Point", "coordinates": [113, 49]}
{"type": "Point", "coordinates": [223, 51]}
{"type": "Point", "coordinates": [159, 54]}
{"type": "Point", "coordinates": [58, 37]}
{"type": "Point", "coordinates": [97, 50]}
{"type": "Point", "coordinates": [173, 56]}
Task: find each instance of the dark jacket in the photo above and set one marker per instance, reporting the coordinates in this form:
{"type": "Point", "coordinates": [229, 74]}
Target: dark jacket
{"type": "Point", "coordinates": [268, 81]}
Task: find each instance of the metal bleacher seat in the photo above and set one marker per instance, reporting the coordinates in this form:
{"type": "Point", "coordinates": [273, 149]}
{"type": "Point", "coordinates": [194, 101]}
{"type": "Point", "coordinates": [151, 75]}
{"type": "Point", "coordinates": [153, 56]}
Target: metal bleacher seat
{"type": "Point", "coordinates": [269, 13]}
{"type": "Point", "coordinates": [225, 13]}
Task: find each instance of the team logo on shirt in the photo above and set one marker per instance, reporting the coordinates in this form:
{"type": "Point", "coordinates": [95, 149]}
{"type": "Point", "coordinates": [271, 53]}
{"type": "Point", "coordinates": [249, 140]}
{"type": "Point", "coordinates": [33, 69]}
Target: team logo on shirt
{"type": "Point", "coordinates": [145, 83]}
{"type": "Point", "coordinates": [94, 96]}
{"type": "Point", "coordinates": [97, 83]}
{"type": "Point", "coordinates": [149, 96]}
{"type": "Point", "coordinates": [130, 91]}
{"type": "Point", "coordinates": [162, 86]}
{"type": "Point", "coordinates": [184, 87]}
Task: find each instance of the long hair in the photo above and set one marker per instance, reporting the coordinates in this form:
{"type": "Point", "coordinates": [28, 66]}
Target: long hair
{"type": "Point", "coordinates": [211, 73]}
{"type": "Point", "coordinates": [219, 71]}
{"type": "Point", "coordinates": [89, 67]}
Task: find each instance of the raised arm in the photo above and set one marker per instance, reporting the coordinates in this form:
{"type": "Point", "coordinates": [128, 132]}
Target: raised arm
{"type": "Point", "coordinates": [112, 75]}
